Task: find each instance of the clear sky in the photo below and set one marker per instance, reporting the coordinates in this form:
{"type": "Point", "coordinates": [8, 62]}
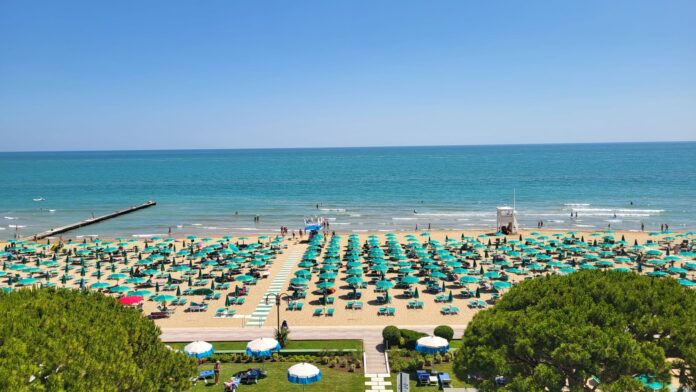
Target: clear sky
{"type": "Point", "coordinates": [232, 74]}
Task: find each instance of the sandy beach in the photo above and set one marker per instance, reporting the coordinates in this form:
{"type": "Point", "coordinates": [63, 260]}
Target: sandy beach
{"type": "Point", "coordinates": [281, 267]}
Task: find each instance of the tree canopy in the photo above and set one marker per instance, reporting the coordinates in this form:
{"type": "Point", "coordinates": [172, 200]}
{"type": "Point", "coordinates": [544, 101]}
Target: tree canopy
{"type": "Point", "coordinates": [74, 340]}
{"type": "Point", "coordinates": [559, 331]}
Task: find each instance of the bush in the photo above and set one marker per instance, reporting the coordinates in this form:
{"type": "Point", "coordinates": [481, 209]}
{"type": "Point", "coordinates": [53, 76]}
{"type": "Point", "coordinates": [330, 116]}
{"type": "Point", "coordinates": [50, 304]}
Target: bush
{"type": "Point", "coordinates": [445, 332]}
{"type": "Point", "coordinates": [409, 338]}
{"type": "Point", "coordinates": [391, 335]}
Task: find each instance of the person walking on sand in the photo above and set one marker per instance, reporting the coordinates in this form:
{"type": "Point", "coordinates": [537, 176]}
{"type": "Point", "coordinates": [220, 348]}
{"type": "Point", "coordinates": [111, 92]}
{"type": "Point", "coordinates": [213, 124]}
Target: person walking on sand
{"type": "Point", "coordinates": [642, 226]}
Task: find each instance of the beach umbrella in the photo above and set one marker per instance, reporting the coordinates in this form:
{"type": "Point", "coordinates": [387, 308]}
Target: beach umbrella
{"type": "Point", "coordinates": [99, 285]}
{"type": "Point", "coordinates": [140, 293]}
{"type": "Point", "coordinates": [26, 281]}
{"type": "Point", "coordinates": [199, 349]}
{"type": "Point", "coordinates": [409, 280]}
{"type": "Point", "coordinates": [304, 374]}
{"type": "Point", "coordinates": [244, 278]}
{"type": "Point", "coordinates": [262, 347]}
{"type": "Point", "coordinates": [432, 345]}
{"type": "Point", "coordinates": [119, 289]}
{"type": "Point", "coordinates": [326, 284]}
{"type": "Point", "coordinates": [130, 300]}
{"type": "Point", "coordinates": [163, 298]}
{"type": "Point", "coordinates": [384, 284]}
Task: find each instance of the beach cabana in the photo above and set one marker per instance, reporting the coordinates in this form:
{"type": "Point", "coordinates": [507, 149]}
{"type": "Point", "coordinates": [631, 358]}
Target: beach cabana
{"type": "Point", "coordinates": [432, 345]}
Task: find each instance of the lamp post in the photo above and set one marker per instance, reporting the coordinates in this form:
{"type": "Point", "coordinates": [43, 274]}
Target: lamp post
{"type": "Point", "coordinates": [278, 298]}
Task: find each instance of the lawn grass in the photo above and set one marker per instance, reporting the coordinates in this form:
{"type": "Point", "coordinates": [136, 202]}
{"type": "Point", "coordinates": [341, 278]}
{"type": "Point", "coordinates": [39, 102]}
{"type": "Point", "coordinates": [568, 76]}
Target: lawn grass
{"type": "Point", "coordinates": [444, 367]}
{"type": "Point", "coordinates": [291, 345]}
{"type": "Point", "coordinates": [332, 380]}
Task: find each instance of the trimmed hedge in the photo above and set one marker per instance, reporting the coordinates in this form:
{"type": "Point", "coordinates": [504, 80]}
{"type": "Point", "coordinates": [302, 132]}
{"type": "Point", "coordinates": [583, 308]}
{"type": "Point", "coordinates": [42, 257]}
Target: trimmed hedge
{"type": "Point", "coordinates": [445, 332]}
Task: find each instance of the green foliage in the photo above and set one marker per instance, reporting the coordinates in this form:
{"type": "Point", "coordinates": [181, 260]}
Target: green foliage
{"type": "Point", "coordinates": [409, 338]}
{"type": "Point", "coordinates": [608, 324]}
{"type": "Point", "coordinates": [83, 341]}
{"type": "Point", "coordinates": [445, 332]}
{"type": "Point", "coordinates": [392, 335]}
{"type": "Point", "coordinates": [282, 336]}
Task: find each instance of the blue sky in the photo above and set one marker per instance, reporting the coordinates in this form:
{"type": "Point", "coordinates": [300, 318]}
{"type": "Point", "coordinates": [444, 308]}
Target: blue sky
{"type": "Point", "coordinates": [231, 74]}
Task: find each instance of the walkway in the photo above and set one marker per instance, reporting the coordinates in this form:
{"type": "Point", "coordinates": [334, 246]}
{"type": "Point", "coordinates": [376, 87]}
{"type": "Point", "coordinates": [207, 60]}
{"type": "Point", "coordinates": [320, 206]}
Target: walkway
{"type": "Point", "coordinates": [260, 314]}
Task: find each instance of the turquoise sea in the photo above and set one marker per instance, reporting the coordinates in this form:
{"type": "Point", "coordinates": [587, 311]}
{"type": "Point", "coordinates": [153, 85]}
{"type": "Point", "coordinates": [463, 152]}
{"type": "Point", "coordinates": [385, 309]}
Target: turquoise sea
{"type": "Point", "coordinates": [215, 192]}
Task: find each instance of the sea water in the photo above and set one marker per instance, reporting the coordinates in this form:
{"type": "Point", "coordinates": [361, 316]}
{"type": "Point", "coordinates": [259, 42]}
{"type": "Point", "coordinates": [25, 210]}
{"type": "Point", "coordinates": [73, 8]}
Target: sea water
{"type": "Point", "coordinates": [218, 192]}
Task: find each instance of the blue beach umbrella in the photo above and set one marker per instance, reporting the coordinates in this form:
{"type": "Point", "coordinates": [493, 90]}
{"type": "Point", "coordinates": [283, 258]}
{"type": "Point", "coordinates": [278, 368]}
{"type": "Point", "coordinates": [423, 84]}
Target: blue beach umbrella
{"type": "Point", "coordinates": [262, 347]}
{"type": "Point", "coordinates": [199, 349]}
{"type": "Point", "coordinates": [432, 345]}
{"type": "Point", "coordinates": [304, 374]}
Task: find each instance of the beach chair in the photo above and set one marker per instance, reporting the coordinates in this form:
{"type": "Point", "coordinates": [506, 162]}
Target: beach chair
{"type": "Point", "coordinates": [349, 304]}
{"type": "Point", "coordinates": [423, 377]}
{"type": "Point", "coordinates": [291, 305]}
{"type": "Point", "coordinates": [411, 305]}
{"type": "Point", "coordinates": [391, 311]}
{"type": "Point", "coordinates": [221, 312]}
{"type": "Point", "coordinates": [318, 312]}
{"type": "Point", "coordinates": [382, 312]}
{"type": "Point", "coordinates": [454, 310]}
{"type": "Point", "coordinates": [231, 312]}
{"type": "Point", "coordinates": [329, 312]}
{"type": "Point", "coordinates": [298, 306]}
{"type": "Point", "coordinates": [330, 301]}
{"type": "Point", "coordinates": [240, 300]}
{"type": "Point", "coordinates": [358, 305]}
{"type": "Point", "coordinates": [444, 380]}
{"type": "Point", "coordinates": [445, 310]}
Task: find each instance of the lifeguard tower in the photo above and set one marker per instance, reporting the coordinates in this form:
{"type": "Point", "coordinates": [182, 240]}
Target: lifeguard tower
{"type": "Point", "coordinates": [506, 220]}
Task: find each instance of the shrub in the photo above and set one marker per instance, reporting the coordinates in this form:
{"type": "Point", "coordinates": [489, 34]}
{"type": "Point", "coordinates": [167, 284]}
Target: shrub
{"type": "Point", "coordinates": [391, 335]}
{"type": "Point", "coordinates": [409, 338]}
{"type": "Point", "coordinates": [445, 332]}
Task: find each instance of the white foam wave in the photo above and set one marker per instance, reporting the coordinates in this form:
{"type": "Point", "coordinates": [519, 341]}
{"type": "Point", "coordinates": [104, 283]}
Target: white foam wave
{"type": "Point", "coordinates": [398, 218]}
{"type": "Point", "coordinates": [457, 214]}
{"type": "Point", "coordinates": [333, 209]}
{"type": "Point", "coordinates": [10, 217]}
{"type": "Point", "coordinates": [16, 226]}
{"type": "Point", "coordinates": [576, 204]}
{"type": "Point", "coordinates": [147, 235]}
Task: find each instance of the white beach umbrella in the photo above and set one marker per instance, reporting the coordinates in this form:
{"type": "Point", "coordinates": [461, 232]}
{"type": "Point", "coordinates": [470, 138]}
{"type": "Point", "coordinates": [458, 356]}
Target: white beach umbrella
{"type": "Point", "coordinates": [432, 345]}
{"type": "Point", "coordinates": [262, 347]}
{"type": "Point", "coordinates": [304, 373]}
{"type": "Point", "coordinates": [199, 349]}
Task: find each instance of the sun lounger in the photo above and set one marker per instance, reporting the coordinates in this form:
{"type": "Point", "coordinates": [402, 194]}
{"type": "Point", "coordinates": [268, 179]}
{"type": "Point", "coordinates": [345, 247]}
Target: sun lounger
{"type": "Point", "coordinates": [318, 312]}
{"type": "Point", "coordinates": [298, 305]}
{"type": "Point", "coordinates": [382, 312]}
{"type": "Point", "coordinates": [221, 312]}
{"type": "Point", "coordinates": [158, 315]}
{"type": "Point", "coordinates": [240, 300]}
{"type": "Point", "coordinates": [423, 377]}
{"type": "Point", "coordinates": [330, 312]}
{"type": "Point", "coordinates": [358, 305]}
{"type": "Point", "coordinates": [231, 312]}
{"type": "Point", "coordinates": [445, 380]}
{"type": "Point", "coordinates": [291, 305]}
{"type": "Point", "coordinates": [349, 304]}
{"type": "Point", "coordinates": [391, 311]}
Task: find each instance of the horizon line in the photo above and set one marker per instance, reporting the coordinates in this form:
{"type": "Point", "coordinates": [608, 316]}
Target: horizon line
{"type": "Point", "coordinates": [353, 147]}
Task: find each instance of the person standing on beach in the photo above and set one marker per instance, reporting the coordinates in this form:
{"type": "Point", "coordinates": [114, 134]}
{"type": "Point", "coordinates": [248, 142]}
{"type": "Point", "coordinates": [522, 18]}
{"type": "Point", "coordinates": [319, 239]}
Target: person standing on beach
{"type": "Point", "coordinates": [642, 226]}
